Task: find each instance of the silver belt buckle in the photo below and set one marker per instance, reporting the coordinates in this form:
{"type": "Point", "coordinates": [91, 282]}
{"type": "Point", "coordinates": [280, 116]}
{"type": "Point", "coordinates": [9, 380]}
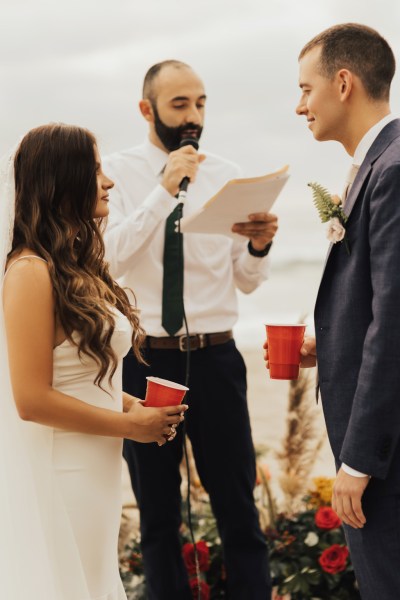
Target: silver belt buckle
{"type": "Point", "coordinates": [182, 340]}
{"type": "Point", "coordinates": [201, 337]}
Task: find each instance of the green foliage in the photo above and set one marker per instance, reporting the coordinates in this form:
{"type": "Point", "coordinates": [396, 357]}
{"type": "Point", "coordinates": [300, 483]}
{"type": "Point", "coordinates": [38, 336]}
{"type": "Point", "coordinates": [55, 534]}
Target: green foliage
{"type": "Point", "coordinates": [205, 528]}
{"type": "Point", "coordinates": [327, 209]}
{"type": "Point", "coordinates": [294, 563]}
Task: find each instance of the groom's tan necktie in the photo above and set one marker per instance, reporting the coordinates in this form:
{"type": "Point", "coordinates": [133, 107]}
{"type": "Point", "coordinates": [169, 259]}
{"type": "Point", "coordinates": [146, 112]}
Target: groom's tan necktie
{"type": "Point", "coordinates": [351, 175]}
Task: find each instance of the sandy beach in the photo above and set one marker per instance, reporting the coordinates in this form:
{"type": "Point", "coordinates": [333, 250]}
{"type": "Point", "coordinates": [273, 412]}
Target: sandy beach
{"type": "Point", "coordinates": [268, 401]}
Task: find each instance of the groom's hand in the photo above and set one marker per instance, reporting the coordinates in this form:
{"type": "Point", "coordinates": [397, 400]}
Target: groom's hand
{"type": "Point", "coordinates": [346, 498]}
{"type": "Point", "coordinates": [308, 352]}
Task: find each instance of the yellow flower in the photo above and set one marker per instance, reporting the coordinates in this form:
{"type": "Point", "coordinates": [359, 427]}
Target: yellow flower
{"type": "Point", "coordinates": [323, 491]}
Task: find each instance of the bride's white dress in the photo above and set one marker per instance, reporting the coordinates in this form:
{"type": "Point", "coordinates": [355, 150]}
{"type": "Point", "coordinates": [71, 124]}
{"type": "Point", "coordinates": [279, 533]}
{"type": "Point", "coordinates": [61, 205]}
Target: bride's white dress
{"type": "Point", "coordinates": [77, 480]}
{"type": "Point", "coordinates": [87, 468]}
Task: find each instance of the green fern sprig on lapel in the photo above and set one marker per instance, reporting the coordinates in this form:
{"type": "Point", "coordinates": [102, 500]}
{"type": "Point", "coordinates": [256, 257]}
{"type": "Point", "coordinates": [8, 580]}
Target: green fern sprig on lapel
{"type": "Point", "coordinates": [328, 206]}
{"type": "Point", "coordinates": [330, 209]}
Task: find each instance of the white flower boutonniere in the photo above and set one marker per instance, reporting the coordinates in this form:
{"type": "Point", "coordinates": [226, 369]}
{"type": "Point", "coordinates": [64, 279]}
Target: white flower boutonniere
{"type": "Point", "coordinates": [330, 209]}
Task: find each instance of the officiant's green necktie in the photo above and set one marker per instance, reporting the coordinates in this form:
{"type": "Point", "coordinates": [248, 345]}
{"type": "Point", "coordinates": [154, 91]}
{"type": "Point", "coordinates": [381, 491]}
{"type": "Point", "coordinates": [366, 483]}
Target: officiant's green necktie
{"type": "Point", "coordinates": [172, 295]}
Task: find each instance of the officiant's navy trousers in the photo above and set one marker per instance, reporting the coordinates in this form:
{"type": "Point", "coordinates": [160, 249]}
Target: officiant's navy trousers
{"type": "Point", "coordinates": [218, 426]}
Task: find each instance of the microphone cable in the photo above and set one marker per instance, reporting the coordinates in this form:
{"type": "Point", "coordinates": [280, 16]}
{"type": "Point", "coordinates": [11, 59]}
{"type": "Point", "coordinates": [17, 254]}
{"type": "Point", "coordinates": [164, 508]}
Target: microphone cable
{"type": "Point", "coordinates": [186, 383]}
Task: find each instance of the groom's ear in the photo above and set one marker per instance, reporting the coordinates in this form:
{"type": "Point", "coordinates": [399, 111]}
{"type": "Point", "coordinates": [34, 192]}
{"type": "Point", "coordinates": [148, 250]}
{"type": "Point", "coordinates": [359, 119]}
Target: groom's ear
{"type": "Point", "coordinates": [345, 82]}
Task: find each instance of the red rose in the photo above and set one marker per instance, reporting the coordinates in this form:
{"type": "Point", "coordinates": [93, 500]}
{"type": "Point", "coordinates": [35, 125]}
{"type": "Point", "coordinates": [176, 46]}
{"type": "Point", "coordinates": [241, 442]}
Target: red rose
{"type": "Point", "coordinates": [204, 589]}
{"type": "Point", "coordinates": [333, 559]}
{"type": "Point", "coordinates": [326, 518]}
{"type": "Point", "coordinates": [203, 555]}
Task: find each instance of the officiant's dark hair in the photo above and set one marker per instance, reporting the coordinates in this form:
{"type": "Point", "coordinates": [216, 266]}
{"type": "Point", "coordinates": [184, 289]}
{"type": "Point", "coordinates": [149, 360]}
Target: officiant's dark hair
{"type": "Point", "coordinates": [361, 50]}
{"type": "Point", "coordinates": [56, 192]}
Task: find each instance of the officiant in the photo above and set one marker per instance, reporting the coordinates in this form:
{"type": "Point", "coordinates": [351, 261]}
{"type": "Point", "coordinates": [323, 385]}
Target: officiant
{"type": "Point", "coordinates": [185, 288]}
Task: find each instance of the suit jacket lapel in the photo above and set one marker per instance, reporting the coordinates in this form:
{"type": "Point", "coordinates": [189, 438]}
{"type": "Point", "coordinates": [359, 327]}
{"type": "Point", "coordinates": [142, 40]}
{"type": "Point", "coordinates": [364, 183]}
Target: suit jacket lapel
{"type": "Point", "coordinates": [384, 139]}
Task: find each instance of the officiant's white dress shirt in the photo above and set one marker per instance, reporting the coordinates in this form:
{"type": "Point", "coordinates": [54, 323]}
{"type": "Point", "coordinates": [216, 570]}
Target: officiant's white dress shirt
{"type": "Point", "coordinates": [215, 265]}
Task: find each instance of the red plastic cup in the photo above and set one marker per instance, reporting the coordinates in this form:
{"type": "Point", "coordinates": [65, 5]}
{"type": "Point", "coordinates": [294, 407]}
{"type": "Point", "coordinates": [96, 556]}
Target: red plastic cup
{"type": "Point", "coordinates": [284, 343]}
{"type": "Point", "coordinates": [162, 392]}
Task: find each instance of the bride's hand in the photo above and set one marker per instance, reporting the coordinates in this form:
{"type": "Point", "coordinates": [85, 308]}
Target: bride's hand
{"type": "Point", "coordinates": [128, 400]}
{"type": "Point", "coordinates": [150, 424]}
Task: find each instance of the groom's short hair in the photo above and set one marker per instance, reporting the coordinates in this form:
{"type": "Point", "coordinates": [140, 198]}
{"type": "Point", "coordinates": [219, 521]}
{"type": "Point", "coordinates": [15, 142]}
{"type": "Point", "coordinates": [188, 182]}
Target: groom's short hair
{"type": "Point", "coordinates": [361, 50]}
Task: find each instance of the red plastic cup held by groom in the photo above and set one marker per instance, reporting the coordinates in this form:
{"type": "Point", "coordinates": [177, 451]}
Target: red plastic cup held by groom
{"type": "Point", "coordinates": [284, 343]}
{"type": "Point", "coordinates": [162, 392]}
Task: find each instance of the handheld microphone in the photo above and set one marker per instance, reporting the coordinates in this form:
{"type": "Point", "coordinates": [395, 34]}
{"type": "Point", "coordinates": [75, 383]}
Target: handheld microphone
{"type": "Point", "coordinates": [183, 186]}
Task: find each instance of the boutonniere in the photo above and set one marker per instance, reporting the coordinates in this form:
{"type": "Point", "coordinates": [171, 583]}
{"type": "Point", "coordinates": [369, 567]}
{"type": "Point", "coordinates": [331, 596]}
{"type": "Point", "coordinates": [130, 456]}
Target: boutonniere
{"type": "Point", "coordinates": [330, 209]}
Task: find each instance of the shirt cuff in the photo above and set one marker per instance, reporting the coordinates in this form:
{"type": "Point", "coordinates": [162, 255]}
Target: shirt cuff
{"type": "Point", "coordinates": [353, 472]}
{"type": "Point", "coordinates": [259, 253]}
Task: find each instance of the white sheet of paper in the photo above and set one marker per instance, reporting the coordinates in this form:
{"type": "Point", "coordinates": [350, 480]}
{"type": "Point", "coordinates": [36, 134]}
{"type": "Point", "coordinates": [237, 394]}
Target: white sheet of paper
{"type": "Point", "coordinates": [234, 202]}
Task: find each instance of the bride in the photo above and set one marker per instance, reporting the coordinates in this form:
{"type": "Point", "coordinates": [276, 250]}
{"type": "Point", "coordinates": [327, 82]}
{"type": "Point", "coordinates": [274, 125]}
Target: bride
{"type": "Point", "coordinates": [64, 329]}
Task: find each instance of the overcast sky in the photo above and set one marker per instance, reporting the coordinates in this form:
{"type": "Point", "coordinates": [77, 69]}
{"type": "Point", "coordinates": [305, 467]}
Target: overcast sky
{"type": "Point", "coordinates": [83, 62]}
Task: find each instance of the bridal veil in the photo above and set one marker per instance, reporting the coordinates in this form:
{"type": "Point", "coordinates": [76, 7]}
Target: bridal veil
{"type": "Point", "coordinates": [38, 555]}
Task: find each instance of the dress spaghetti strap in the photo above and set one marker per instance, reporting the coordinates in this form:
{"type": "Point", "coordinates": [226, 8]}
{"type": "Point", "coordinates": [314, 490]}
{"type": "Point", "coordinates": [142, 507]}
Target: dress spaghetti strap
{"type": "Point", "coordinates": [22, 258]}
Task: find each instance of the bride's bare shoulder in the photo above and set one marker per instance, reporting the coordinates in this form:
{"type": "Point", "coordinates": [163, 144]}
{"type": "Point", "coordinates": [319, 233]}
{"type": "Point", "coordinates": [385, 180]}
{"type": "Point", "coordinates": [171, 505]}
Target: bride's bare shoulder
{"type": "Point", "coordinates": [26, 270]}
{"type": "Point", "coordinates": [24, 258]}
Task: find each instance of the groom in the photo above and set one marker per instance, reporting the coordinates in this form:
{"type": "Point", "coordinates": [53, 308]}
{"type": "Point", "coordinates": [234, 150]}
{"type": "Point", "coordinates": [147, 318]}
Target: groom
{"type": "Point", "coordinates": [345, 77]}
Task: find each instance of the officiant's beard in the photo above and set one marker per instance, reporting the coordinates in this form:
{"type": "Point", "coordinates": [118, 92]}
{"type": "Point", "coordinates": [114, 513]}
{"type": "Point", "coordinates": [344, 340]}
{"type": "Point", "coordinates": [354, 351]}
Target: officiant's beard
{"type": "Point", "coordinates": [171, 137]}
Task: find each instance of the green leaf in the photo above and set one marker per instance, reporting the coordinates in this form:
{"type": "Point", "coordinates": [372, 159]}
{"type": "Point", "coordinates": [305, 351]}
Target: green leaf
{"type": "Point", "coordinates": [323, 201]}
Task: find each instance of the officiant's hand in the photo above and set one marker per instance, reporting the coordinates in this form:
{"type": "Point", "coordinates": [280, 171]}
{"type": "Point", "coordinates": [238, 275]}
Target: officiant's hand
{"type": "Point", "coordinates": [181, 163]}
{"type": "Point", "coordinates": [260, 229]}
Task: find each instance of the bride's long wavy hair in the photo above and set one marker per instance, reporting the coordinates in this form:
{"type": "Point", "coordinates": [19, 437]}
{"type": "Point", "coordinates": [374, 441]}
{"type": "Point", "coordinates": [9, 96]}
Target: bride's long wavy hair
{"type": "Point", "coordinates": [56, 197]}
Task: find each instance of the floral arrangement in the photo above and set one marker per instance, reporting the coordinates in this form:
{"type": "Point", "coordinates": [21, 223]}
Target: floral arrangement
{"type": "Point", "coordinates": [192, 554]}
{"type": "Point", "coordinates": [330, 209]}
{"type": "Point", "coordinates": [308, 553]}
{"type": "Point", "coordinates": [208, 582]}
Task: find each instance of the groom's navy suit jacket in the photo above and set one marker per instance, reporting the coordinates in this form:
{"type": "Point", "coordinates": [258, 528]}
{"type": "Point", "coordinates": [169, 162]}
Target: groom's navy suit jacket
{"type": "Point", "coordinates": [357, 321]}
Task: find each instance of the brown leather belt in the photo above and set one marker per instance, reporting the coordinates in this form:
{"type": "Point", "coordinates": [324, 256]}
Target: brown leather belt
{"type": "Point", "coordinates": [199, 340]}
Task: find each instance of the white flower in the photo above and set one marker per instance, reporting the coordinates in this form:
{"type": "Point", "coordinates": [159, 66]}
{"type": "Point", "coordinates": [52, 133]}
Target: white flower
{"type": "Point", "coordinates": [336, 231]}
{"type": "Point", "coordinates": [312, 539]}
{"type": "Point", "coordinates": [137, 580]}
